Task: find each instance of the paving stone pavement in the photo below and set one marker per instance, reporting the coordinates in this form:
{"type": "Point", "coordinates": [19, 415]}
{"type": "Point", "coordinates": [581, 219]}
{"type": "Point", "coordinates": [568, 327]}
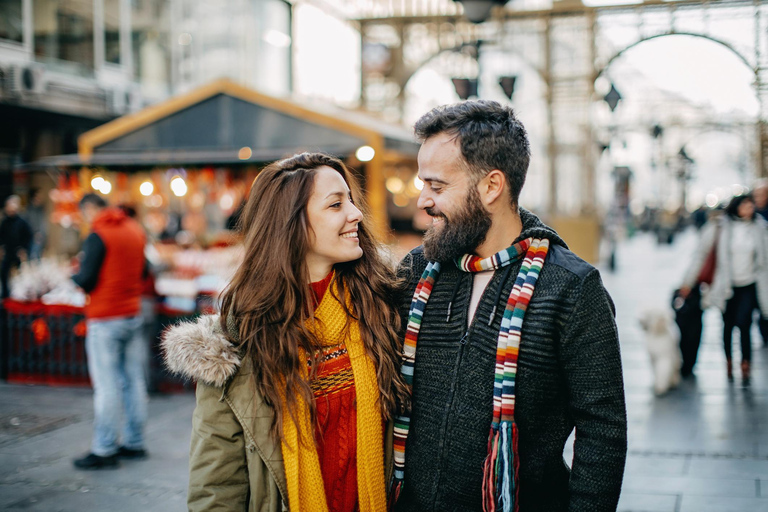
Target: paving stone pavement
{"type": "Point", "coordinates": [704, 446]}
{"type": "Point", "coordinates": [700, 448]}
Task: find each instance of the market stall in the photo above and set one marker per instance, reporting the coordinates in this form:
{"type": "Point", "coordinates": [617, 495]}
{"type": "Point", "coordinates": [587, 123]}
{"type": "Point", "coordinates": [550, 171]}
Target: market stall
{"type": "Point", "coordinates": [184, 168]}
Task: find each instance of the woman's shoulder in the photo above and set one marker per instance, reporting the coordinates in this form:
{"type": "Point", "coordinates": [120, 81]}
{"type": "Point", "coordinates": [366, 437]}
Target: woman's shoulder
{"type": "Point", "coordinates": [201, 351]}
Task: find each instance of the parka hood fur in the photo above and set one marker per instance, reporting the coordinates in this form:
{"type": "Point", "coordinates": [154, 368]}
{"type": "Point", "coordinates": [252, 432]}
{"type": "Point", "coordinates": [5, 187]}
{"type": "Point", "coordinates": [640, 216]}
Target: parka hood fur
{"type": "Point", "coordinates": [201, 351]}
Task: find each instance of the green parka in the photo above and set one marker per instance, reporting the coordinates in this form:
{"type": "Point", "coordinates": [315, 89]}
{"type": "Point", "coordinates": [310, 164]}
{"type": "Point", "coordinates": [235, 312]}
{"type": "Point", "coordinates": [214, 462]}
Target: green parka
{"type": "Point", "coordinates": [234, 462]}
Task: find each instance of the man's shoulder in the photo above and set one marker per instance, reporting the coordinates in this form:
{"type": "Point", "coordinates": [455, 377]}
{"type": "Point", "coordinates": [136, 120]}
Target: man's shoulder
{"type": "Point", "coordinates": [564, 258]}
{"type": "Point", "coordinates": [568, 275]}
{"type": "Point", "coordinates": [414, 260]}
{"type": "Point", "coordinates": [417, 254]}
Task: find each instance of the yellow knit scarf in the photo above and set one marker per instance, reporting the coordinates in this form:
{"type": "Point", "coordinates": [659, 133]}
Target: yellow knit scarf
{"type": "Point", "coordinates": [302, 466]}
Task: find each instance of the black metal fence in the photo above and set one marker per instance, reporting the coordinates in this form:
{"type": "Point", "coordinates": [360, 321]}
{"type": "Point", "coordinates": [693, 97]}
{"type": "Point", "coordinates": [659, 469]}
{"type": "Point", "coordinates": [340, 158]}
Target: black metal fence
{"type": "Point", "coordinates": [46, 345]}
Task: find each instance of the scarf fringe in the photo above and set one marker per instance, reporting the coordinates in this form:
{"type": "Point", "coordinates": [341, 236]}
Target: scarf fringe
{"type": "Point", "coordinates": [394, 495]}
{"type": "Point", "coordinates": [500, 470]}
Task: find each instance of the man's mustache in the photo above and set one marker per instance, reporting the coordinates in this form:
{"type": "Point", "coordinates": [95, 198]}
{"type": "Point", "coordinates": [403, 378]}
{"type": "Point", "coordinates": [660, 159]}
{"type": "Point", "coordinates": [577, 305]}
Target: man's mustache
{"type": "Point", "coordinates": [432, 212]}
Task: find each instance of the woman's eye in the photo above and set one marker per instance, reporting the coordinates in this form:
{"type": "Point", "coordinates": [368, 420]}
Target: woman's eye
{"type": "Point", "coordinates": [335, 205]}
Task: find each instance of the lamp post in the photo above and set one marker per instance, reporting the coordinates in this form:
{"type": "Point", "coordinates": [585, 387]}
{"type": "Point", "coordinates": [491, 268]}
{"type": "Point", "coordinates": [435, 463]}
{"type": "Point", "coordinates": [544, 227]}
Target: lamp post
{"type": "Point", "coordinates": [684, 173]}
{"type": "Point", "coordinates": [616, 220]}
{"type": "Point", "coordinates": [470, 87]}
{"type": "Point", "coordinates": [477, 11]}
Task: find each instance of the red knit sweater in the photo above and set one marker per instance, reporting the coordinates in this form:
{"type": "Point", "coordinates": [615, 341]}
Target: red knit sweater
{"type": "Point", "coordinates": [336, 427]}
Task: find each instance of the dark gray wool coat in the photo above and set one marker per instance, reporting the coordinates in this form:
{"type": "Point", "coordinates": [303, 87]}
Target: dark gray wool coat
{"type": "Point", "coordinates": [569, 375]}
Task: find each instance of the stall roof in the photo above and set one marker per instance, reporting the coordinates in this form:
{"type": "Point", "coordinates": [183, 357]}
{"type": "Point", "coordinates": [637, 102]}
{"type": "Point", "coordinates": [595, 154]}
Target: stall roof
{"type": "Point", "coordinates": [211, 124]}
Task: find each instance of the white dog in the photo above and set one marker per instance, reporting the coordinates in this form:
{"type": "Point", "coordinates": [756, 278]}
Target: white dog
{"type": "Point", "coordinates": [662, 340]}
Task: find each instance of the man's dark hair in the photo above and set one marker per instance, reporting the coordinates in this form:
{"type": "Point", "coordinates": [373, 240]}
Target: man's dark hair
{"type": "Point", "coordinates": [732, 210]}
{"type": "Point", "coordinates": [94, 200]}
{"type": "Point", "coordinates": [128, 210]}
{"type": "Point", "coordinates": [489, 135]}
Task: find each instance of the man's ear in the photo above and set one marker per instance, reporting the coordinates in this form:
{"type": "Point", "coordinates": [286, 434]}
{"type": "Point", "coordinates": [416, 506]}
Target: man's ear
{"type": "Point", "coordinates": [492, 187]}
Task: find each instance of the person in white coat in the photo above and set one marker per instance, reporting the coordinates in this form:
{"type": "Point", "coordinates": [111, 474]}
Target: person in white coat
{"type": "Point", "coordinates": [740, 282]}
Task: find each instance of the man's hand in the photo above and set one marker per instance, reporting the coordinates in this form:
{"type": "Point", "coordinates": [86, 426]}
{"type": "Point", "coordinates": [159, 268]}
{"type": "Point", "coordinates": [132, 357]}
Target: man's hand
{"type": "Point", "coordinates": [684, 292]}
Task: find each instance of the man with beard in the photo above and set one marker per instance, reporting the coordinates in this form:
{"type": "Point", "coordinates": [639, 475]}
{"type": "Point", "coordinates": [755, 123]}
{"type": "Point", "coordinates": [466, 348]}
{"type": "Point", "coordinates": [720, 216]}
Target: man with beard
{"type": "Point", "coordinates": [511, 341]}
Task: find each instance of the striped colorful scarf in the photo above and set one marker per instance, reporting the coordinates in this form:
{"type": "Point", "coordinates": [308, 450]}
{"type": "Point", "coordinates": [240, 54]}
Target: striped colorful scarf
{"type": "Point", "coordinates": [500, 470]}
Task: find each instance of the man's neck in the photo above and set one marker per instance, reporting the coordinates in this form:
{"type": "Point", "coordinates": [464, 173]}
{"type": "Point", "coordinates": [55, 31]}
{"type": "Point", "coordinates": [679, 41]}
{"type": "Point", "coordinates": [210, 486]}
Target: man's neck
{"type": "Point", "coordinates": [505, 228]}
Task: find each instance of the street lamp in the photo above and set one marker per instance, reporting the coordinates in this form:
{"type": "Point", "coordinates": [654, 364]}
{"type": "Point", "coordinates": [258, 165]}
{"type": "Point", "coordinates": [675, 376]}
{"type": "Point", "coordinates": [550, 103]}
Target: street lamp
{"type": "Point", "coordinates": [684, 174]}
{"type": "Point", "coordinates": [507, 83]}
{"type": "Point", "coordinates": [468, 87]}
{"type": "Point", "coordinates": [612, 98]}
{"type": "Point", "coordinates": [477, 11]}
{"type": "Point", "coordinates": [684, 156]}
{"type": "Point", "coordinates": [465, 87]}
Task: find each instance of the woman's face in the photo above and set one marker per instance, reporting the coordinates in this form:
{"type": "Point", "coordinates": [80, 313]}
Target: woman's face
{"type": "Point", "coordinates": [746, 209]}
{"type": "Point", "coordinates": [333, 220]}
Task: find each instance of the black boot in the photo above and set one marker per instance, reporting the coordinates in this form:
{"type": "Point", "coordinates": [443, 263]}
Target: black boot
{"type": "Point", "coordinates": [131, 453]}
{"type": "Point", "coordinates": [93, 461]}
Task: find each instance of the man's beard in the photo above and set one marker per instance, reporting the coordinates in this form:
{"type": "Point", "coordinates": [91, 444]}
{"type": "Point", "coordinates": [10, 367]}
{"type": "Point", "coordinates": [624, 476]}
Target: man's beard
{"type": "Point", "coordinates": [462, 234]}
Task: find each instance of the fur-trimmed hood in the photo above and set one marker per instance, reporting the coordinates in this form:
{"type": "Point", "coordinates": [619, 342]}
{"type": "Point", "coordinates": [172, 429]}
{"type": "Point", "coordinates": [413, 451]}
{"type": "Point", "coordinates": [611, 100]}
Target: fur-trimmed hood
{"type": "Point", "coordinates": [201, 351]}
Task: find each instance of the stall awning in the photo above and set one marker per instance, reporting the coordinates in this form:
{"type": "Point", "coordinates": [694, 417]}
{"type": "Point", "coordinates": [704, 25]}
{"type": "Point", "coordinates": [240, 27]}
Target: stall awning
{"type": "Point", "coordinates": [214, 123]}
{"type": "Point", "coordinates": [224, 123]}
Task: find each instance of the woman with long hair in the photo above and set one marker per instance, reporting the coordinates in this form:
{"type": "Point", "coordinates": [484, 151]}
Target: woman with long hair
{"type": "Point", "coordinates": [739, 286]}
{"type": "Point", "coordinates": [298, 377]}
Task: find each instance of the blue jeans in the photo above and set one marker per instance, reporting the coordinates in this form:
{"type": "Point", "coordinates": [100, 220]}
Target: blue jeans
{"type": "Point", "coordinates": [117, 361]}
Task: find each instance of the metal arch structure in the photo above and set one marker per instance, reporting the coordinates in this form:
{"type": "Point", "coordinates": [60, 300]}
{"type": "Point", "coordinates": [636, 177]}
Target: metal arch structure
{"type": "Point", "coordinates": [692, 34]}
{"type": "Point", "coordinates": [570, 45]}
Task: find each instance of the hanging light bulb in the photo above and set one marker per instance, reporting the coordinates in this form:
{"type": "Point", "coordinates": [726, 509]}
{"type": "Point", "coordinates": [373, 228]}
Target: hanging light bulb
{"type": "Point", "coordinates": [147, 188]}
{"type": "Point", "coordinates": [96, 182]}
{"type": "Point", "coordinates": [365, 153]}
{"type": "Point", "coordinates": [178, 186]}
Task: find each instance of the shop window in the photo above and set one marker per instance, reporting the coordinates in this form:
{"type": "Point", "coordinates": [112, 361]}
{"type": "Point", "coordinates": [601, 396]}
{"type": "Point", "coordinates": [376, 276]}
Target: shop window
{"type": "Point", "coordinates": [10, 20]}
{"type": "Point", "coordinates": [64, 31]}
{"type": "Point", "coordinates": [150, 37]}
{"type": "Point", "coordinates": [275, 52]}
{"type": "Point", "coordinates": [112, 31]}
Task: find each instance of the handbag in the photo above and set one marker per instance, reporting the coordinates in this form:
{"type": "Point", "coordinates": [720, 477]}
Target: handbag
{"type": "Point", "coordinates": [707, 272]}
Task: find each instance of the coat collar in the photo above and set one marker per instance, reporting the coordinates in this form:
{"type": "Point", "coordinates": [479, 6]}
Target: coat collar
{"type": "Point", "coordinates": [201, 351]}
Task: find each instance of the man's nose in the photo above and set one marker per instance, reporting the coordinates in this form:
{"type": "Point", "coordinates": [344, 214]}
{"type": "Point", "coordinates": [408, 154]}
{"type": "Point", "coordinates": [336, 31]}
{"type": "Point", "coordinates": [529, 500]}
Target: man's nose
{"type": "Point", "coordinates": [425, 201]}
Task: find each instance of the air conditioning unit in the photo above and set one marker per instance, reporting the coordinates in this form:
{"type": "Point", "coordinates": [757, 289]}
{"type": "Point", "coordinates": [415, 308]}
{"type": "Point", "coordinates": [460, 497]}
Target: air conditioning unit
{"type": "Point", "coordinates": [123, 99]}
{"type": "Point", "coordinates": [117, 101]}
{"type": "Point", "coordinates": [25, 79]}
{"type": "Point", "coordinates": [135, 99]}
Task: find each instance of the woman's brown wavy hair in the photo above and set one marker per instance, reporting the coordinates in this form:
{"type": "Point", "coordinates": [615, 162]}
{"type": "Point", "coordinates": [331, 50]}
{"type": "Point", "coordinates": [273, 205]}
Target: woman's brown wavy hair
{"type": "Point", "coordinates": [269, 297]}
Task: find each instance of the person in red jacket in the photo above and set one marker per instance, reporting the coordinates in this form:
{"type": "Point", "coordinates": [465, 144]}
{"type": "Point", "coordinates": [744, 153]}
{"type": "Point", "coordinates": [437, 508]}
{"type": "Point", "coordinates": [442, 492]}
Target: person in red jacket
{"type": "Point", "coordinates": [111, 273]}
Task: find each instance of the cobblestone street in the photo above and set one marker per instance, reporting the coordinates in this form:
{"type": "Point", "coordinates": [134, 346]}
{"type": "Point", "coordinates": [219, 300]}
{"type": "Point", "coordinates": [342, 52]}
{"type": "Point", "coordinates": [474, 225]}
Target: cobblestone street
{"type": "Point", "coordinates": [700, 448]}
